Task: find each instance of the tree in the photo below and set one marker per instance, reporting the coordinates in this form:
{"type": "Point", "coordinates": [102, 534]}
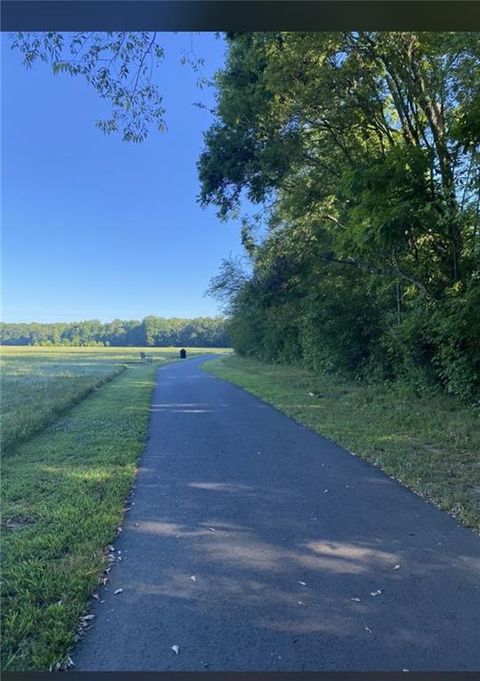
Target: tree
{"type": "Point", "coordinates": [119, 66]}
{"type": "Point", "coordinates": [363, 148]}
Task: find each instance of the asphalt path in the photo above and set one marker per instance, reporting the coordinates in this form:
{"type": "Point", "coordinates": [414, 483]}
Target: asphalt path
{"type": "Point", "coordinates": [255, 544]}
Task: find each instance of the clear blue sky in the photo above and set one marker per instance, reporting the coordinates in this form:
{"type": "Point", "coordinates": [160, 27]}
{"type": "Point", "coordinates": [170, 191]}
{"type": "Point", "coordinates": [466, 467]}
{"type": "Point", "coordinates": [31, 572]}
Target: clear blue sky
{"type": "Point", "coordinates": [93, 227]}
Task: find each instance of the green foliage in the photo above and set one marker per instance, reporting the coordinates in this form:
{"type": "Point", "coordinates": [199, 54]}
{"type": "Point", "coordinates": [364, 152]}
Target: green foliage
{"type": "Point", "coordinates": [117, 65]}
{"type": "Point", "coordinates": [363, 150]}
{"type": "Point", "coordinates": [456, 335]}
{"type": "Point", "coordinates": [152, 331]}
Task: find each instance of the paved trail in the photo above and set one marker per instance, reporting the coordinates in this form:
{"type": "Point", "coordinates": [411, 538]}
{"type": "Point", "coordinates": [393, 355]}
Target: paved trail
{"type": "Point", "coordinates": [287, 535]}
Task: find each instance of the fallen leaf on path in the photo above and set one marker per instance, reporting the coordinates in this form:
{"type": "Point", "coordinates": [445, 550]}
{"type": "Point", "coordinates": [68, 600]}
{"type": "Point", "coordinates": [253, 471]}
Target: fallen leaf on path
{"type": "Point", "coordinates": [96, 597]}
{"type": "Point", "coordinates": [117, 591]}
{"type": "Point", "coordinates": [357, 600]}
{"type": "Point", "coordinates": [212, 529]}
{"type": "Point", "coordinates": [396, 567]}
{"type": "Point", "coordinates": [110, 547]}
{"type": "Point", "coordinates": [87, 618]}
{"type": "Point", "coordinates": [369, 630]}
{"type": "Point", "coordinates": [302, 583]}
{"type": "Point", "coordinates": [325, 491]}
{"type": "Point", "coordinates": [176, 649]}
{"type": "Point", "coordinates": [135, 524]}
{"type": "Point", "coordinates": [376, 593]}
{"type": "Point", "coordinates": [300, 603]}
{"type": "Point", "coordinates": [193, 578]}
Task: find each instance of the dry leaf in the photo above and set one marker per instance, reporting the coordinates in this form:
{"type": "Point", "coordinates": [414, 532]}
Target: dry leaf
{"type": "Point", "coordinates": [357, 600]}
{"type": "Point", "coordinates": [117, 591]}
{"type": "Point", "coordinates": [96, 597]}
{"type": "Point", "coordinates": [176, 649]}
{"type": "Point", "coordinates": [325, 491]}
{"type": "Point", "coordinates": [396, 567]}
{"type": "Point", "coordinates": [376, 593]}
{"type": "Point", "coordinates": [302, 583]}
{"type": "Point", "coordinates": [369, 630]}
{"type": "Point", "coordinates": [212, 529]}
{"type": "Point", "coordinates": [110, 547]}
{"type": "Point", "coordinates": [193, 578]}
{"type": "Point", "coordinates": [300, 603]}
{"type": "Point", "coordinates": [87, 618]}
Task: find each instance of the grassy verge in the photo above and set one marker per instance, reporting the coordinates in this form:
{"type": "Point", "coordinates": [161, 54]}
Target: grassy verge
{"type": "Point", "coordinates": [40, 383]}
{"type": "Point", "coordinates": [430, 445]}
{"type": "Point", "coordinates": [36, 391]}
{"type": "Point", "coordinates": [63, 496]}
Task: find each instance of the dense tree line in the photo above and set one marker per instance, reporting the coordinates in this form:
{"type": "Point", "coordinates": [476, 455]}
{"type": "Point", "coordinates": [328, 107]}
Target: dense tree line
{"type": "Point", "coordinates": [152, 331]}
{"type": "Point", "coordinates": [362, 151]}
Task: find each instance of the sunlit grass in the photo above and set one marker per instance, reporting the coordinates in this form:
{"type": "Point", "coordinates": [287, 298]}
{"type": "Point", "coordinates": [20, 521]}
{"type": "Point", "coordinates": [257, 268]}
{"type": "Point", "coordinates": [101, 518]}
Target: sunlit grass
{"type": "Point", "coordinates": [431, 445]}
{"type": "Point", "coordinates": [63, 494]}
{"type": "Point", "coordinates": [63, 489]}
{"type": "Point", "coordinates": [39, 383]}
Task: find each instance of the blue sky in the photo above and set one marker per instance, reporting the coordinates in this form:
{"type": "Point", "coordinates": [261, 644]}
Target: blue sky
{"type": "Point", "coordinates": [93, 227]}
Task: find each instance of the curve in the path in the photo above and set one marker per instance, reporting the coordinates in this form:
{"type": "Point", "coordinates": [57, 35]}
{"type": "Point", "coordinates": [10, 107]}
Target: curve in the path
{"type": "Point", "coordinates": [255, 544]}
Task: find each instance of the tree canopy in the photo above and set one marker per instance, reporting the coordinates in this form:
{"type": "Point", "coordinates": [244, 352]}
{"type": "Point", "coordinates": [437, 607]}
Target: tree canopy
{"type": "Point", "coordinates": [363, 149]}
{"type": "Point", "coordinates": [151, 331]}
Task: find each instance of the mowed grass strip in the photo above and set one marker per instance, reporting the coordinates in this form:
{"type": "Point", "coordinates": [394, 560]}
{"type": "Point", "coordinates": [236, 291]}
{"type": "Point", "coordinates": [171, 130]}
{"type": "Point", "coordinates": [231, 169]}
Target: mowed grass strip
{"type": "Point", "coordinates": [40, 383]}
{"type": "Point", "coordinates": [431, 445]}
{"type": "Point", "coordinates": [37, 387]}
{"type": "Point", "coordinates": [63, 498]}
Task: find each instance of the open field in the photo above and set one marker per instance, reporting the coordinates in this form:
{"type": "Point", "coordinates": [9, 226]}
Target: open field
{"type": "Point", "coordinates": [431, 445]}
{"type": "Point", "coordinates": [64, 490]}
{"type": "Point", "coordinates": [39, 383]}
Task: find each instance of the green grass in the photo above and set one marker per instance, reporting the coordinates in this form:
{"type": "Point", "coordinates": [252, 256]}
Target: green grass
{"type": "Point", "coordinates": [38, 383]}
{"type": "Point", "coordinates": [431, 445]}
{"type": "Point", "coordinates": [63, 495]}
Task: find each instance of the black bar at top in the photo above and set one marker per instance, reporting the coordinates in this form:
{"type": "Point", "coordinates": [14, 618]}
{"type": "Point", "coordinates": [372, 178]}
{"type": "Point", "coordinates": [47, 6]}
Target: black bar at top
{"type": "Point", "coordinates": [240, 15]}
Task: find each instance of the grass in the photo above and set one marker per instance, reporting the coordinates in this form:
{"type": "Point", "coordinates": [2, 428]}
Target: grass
{"type": "Point", "coordinates": [431, 445]}
{"type": "Point", "coordinates": [63, 495]}
{"type": "Point", "coordinates": [38, 383]}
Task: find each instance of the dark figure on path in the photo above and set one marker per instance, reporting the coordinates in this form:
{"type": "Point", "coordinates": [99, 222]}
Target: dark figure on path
{"type": "Point", "coordinates": [183, 353]}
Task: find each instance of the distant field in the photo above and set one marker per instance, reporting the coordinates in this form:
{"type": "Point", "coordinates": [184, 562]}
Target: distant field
{"type": "Point", "coordinates": [64, 488]}
{"type": "Point", "coordinates": [40, 383]}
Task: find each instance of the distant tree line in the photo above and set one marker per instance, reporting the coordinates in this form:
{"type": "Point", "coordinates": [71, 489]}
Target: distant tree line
{"type": "Point", "coordinates": [362, 150]}
{"type": "Point", "coordinates": [151, 331]}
